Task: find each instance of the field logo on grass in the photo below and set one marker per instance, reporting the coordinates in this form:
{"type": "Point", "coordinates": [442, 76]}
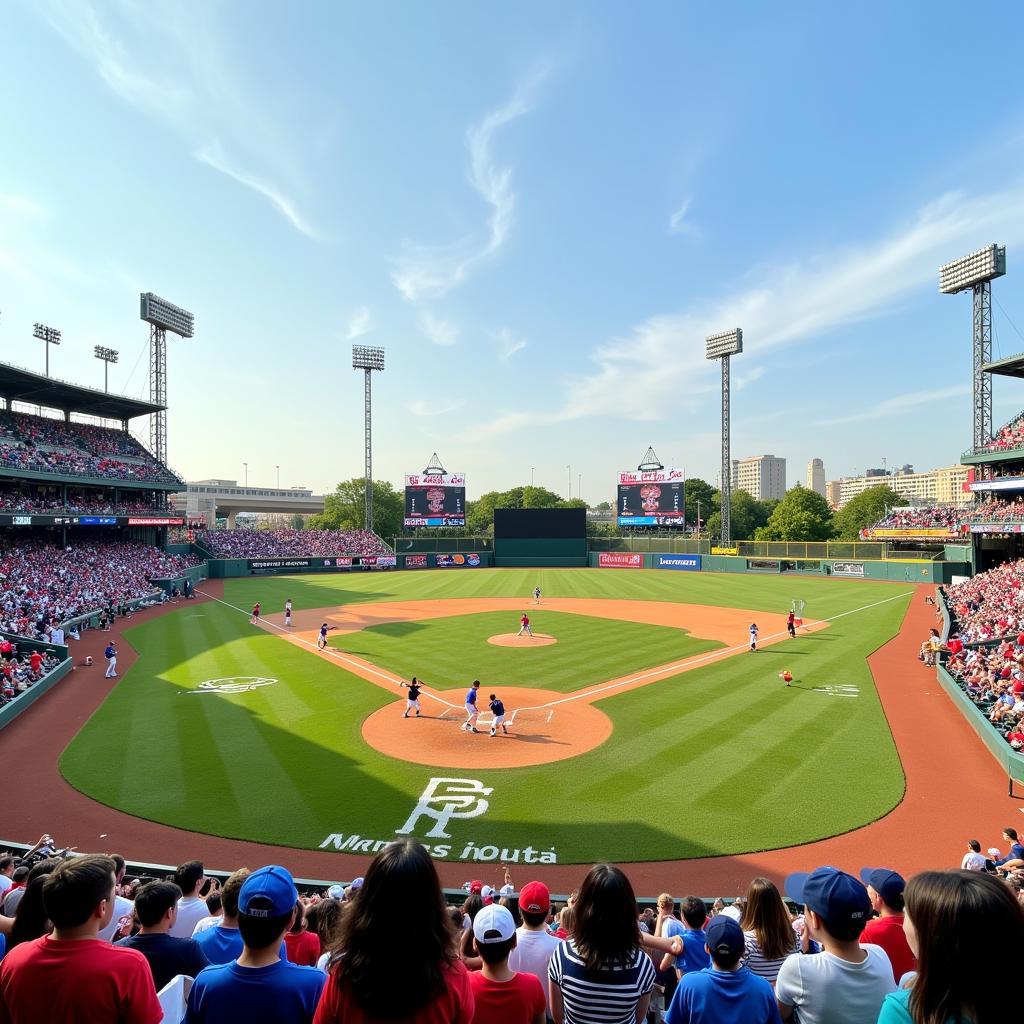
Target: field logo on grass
{"type": "Point", "coordinates": [233, 684]}
{"type": "Point", "coordinates": [444, 799]}
{"type": "Point", "coordinates": [838, 691]}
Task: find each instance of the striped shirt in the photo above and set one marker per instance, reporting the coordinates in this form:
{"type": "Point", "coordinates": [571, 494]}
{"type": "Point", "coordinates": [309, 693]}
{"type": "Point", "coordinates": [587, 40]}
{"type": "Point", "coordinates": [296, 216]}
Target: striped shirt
{"type": "Point", "coordinates": [761, 965]}
{"type": "Point", "coordinates": [608, 997]}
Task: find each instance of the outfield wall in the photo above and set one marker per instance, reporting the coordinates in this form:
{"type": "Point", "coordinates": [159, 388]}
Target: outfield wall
{"type": "Point", "coordinates": [24, 644]}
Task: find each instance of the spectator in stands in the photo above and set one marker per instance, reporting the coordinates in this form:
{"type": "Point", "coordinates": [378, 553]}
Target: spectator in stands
{"type": "Point", "coordinates": [123, 906]}
{"type": "Point", "coordinates": [302, 945]}
{"type": "Point", "coordinates": [361, 974]}
{"type": "Point", "coordinates": [259, 985]}
{"type": "Point", "coordinates": [847, 981]}
{"type": "Point", "coordinates": [534, 943]}
{"type": "Point", "coordinates": [214, 912]}
{"type": "Point", "coordinates": [324, 918]}
{"type": "Point", "coordinates": [6, 871]}
{"type": "Point", "coordinates": [223, 943]}
{"type": "Point", "coordinates": [966, 930]}
{"type": "Point", "coordinates": [767, 929]}
{"type": "Point", "coordinates": [694, 956]}
{"type": "Point", "coordinates": [885, 888]}
{"type": "Point", "coordinates": [156, 907]}
{"type": "Point", "coordinates": [65, 978]}
{"type": "Point", "coordinates": [278, 543]}
{"type": "Point", "coordinates": [190, 878]}
{"type": "Point", "coordinates": [974, 859]}
{"type": "Point", "coordinates": [726, 992]}
{"type": "Point", "coordinates": [19, 879]}
{"type": "Point", "coordinates": [602, 972]}
{"type": "Point", "coordinates": [1015, 856]}
{"type": "Point", "coordinates": [501, 995]}
{"type": "Point", "coordinates": [30, 918]}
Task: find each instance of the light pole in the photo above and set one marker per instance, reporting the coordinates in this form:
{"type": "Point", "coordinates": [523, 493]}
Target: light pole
{"type": "Point", "coordinates": [49, 335]}
{"type": "Point", "coordinates": [246, 464]}
{"type": "Point", "coordinates": [569, 471]}
{"type": "Point", "coordinates": [278, 468]}
{"type": "Point", "coordinates": [162, 316]}
{"type": "Point", "coordinates": [108, 355]}
{"type": "Point", "coordinates": [367, 358]}
{"type": "Point", "coordinates": [531, 475]}
{"type": "Point", "coordinates": [579, 485]}
{"type": "Point", "coordinates": [721, 346]}
{"type": "Point", "coordinates": [698, 522]}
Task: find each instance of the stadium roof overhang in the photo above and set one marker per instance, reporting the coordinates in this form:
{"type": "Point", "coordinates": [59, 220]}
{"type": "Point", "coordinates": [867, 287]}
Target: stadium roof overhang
{"type": "Point", "coordinates": [20, 385]}
{"type": "Point", "coordinates": [1013, 366]}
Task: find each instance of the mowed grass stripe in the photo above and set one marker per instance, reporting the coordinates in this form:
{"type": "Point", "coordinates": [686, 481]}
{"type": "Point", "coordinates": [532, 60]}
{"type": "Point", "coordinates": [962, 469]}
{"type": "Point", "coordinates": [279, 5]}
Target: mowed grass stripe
{"type": "Point", "coordinates": [720, 759]}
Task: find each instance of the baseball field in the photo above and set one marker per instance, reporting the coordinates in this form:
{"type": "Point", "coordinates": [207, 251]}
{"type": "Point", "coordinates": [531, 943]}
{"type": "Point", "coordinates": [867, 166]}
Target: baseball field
{"type": "Point", "coordinates": [640, 729]}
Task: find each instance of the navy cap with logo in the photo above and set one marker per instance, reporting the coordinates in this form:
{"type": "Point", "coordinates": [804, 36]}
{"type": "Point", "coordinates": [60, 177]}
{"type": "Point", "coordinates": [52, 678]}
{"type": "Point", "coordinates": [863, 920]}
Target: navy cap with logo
{"type": "Point", "coordinates": [725, 937]}
{"type": "Point", "coordinates": [840, 899]}
{"type": "Point", "coordinates": [268, 892]}
{"type": "Point", "coordinates": [886, 882]}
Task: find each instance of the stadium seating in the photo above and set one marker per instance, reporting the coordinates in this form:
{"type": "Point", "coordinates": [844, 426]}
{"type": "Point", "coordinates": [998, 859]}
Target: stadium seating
{"type": "Point", "coordinates": [290, 543]}
{"type": "Point", "coordinates": [39, 445]}
{"type": "Point", "coordinates": [19, 501]}
{"type": "Point", "coordinates": [1007, 437]}
{"type": "Point", "coordinates": [20, 671]}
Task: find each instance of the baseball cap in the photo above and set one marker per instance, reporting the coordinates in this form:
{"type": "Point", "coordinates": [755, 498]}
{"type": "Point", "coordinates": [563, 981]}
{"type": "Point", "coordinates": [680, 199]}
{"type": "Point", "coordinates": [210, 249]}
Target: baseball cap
{"type": "Point", "coordinates": [475, 886]}
{"type": "Point", "coordinates": [494, 924]}
{"type": "Point", "coordinates": [268, 892]}
{"type": "Point", "coordinates": [336, 892]}
{"type": "Point", "coordinates": [535, 898]}
{"type": "Point", "coordinates": [487, 893]}
{"type": "Point", "coordinates": [888, 884]}
{"type": "Point", "coordinates": [357, 883]}
{"type": "Point", "coordinates": [837, 897]}
{"type": "Point", "coordinates": [507, 890]}
{"type": "Point", "coordinates": [725, 937]}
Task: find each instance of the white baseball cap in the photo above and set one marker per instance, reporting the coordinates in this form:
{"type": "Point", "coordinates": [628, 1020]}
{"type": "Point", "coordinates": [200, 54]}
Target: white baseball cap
{"type": "Point", "coordinates": [494, 924]}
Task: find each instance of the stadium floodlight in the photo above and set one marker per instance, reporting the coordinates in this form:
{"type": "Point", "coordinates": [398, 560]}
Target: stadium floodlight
{"type": "Point", "coordinates": [162, 316]}
{"type": "Point", "coordinates": [49, 335]}
{"type": "Point", "coordinates": [367, 358]}
{"type": "Point", "coordinates": [721, 346]}
{"type": "Point", "coordinates": [108, 355]}
{"type": "Point", "coordinates": [166, 315]}
{"type": "Point", "coordinates": [975, 272]}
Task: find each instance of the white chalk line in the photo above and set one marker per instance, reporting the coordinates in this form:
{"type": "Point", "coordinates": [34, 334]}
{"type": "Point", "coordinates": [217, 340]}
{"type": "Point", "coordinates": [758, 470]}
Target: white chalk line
{"type": "Point", "coordinates": [654, 673]}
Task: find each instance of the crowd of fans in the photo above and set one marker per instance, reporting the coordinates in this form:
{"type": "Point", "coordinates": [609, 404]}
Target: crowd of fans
{"type": "Point", "coordinates": [77, 504]}
{"type": "Point", "coordinates": [42, 585]}
{"type": "Point", "coordinates": [40, 445]}
{"type": "Point", "coordinates": [290, 543]}
{"type": "Point", "coordinates": [995, 511]}
{"type": "Point", "coordinates": [867, 949]}
{"type": "Point", "coordinates": [20, 671]}
{"type": "Point", "coordinates": [925, 516]}
{"type": "Point", "coordinates": [1010, 436]}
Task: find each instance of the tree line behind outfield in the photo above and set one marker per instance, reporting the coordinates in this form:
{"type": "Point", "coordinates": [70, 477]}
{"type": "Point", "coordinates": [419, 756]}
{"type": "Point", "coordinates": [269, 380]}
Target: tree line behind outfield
{"type": "Point", "coordinates": [802, 514]}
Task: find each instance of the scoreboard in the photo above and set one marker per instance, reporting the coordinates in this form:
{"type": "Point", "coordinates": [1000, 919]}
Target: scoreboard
{"type": "Point", "coordinates": [435, 499]}
{"type": "Point", "coordinates": [651, 498]}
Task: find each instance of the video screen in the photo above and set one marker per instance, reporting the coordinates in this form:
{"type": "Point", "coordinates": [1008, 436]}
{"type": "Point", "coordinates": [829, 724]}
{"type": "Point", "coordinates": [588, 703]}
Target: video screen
{"type": "Point", "coordinates": [651, 503]}
{"type": "Point", "coordinates": [435, 501]}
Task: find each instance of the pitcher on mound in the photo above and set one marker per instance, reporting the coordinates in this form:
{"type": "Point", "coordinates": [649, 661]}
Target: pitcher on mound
{"type": "Point", "coordinates": [524, 625]}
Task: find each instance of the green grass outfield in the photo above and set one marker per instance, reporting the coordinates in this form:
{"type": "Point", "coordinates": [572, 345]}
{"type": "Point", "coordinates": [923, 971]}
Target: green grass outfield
{"type": "Point", "coordinates": [721, 759]}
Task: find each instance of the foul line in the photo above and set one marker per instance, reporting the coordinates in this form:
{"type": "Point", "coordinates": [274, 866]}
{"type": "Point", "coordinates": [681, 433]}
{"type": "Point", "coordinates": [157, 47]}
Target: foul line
{"type": "Point", "coordinates": [340, 655]}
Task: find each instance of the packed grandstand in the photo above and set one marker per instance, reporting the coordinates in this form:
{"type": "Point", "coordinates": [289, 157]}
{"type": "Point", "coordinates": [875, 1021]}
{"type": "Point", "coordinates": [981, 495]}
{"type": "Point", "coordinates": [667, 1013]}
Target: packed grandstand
{"type": "Point", "coordinates": [290, 543]}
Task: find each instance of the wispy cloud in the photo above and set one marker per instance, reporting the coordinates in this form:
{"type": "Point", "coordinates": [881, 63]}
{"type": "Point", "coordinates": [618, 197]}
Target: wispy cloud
{"type": "Point", "coordinates": [741, 380]}
{"type": "Point", "coordinates": [426, 271]}
{"type": "Point", "coordinates": [677, 222]}
{"type": "Point", "coordinates": [508, 344]}
{"type": "Point", "coordinates": [422, 408]}
{"type": "Point", "coordinates": [359, 324]}
{"type": "Point", "coordinates": [899, 404]}
{"type": "Point", "coordinates": [440, 332]}
{"type": "Point", "coordinates": [662, 357]}
{"type": "Point", "coordinates": [167, 63]}
{"type": "Point", "coordinates": [23, 206]}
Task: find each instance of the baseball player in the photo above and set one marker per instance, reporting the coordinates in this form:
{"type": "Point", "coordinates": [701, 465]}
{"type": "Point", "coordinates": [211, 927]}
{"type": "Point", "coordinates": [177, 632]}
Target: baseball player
{"type": "Point", "coordinates": [472, 712]}
{"type": "Point", "coordinates": [498, 710]}
{"type": "Point", "coordinates": [110, 653]}
{"type": "Point", "coordinates": [412, 699]}
{"type": "Point", "coordinates": [288, 612]}
{"type": "Point", "coordinates": [321, 640]}
{"type": "Point", "coordinates": [536, 595]}
{"type": "Point", "coordinates": [255, 614]}
{"type": "Point", "coordinates": [524, 625]}
{"type": "Point", "coordinates": [791, 623]}
{"type": "Point", "coordinates": [753, 637]}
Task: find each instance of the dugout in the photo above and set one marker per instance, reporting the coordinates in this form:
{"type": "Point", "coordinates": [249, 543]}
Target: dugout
{"type": "Point", "coordinates": [540, 537]}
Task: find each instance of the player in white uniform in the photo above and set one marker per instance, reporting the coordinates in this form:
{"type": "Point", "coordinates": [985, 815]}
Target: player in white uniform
{"type": "Point", "coordinates": [288, 612]}
{"type": "Point", "coordinates": [753, 637]}
{"type": "Point", "coordinates": [536, 595]}
{"type": "Point", "coordinates": [472, 711]}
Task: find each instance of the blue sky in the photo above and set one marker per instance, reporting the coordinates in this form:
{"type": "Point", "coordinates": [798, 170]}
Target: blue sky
{"type": "Point", "coordinates": [538, 210]}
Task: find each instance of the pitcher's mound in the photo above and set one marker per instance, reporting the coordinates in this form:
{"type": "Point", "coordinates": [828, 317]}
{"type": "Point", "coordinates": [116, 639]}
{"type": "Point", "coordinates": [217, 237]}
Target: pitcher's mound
{"type": "Point", "coordinates": [512, 640]}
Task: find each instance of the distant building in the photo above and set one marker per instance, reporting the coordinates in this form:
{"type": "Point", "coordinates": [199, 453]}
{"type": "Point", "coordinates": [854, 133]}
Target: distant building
{"type": "Point", "coordinates": [762, 476]}
{"type": "Point", "coordinates": [832, 489]}
{"type": "Point", "coordinates": [935, 487]}
{"type": "Point", "coordinates": [816, 476]}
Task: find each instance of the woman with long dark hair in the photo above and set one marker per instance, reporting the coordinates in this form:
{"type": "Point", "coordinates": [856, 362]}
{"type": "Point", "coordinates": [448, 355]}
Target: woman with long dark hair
{"type": "Point", "coordinates": [396, 958]}
{"type": "Point", "coordinates": [768, 930]}
{"type": "Point", "coordinates": [966, 929]}
{"type": "Point", "coordinates": [30, 921]}
{"type": "Point", "coordinates": [602, 972]}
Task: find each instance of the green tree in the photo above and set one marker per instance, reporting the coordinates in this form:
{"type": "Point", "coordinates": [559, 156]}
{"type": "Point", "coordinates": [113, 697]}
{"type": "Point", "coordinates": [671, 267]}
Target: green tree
{"type": "Point", "coordinates": [697, 490]}
{"type": "Point", "coordinates": [344, 508]}
{"type": "Point", "coordinates": [747, 514]}
{"type": "Point", "coordinates": [480, 513]}
{"type": "Point", "coordinates": [802, 514]}
{"type": "Point", "coordinates": [603, 506]}
{"type": "Point", "coordinates": [868, 507]}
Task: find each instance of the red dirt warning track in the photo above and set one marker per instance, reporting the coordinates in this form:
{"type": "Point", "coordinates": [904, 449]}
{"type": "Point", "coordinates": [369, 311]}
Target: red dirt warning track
{"type": "Point", "coordinates": [955, 790]}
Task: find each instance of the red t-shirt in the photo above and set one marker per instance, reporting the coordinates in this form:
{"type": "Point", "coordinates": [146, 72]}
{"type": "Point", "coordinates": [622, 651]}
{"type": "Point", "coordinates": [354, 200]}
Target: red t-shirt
{"type": "Point", "coordinates": [517, 1001]}
{"type": "Point", "coordinates": [303, 948]}
{"type": "Point", "coordinates": [453, 1006]}
{"type": "Point", "coordinates": [83, 981]}
{"type": "Point", "coordinates": [887, 932]}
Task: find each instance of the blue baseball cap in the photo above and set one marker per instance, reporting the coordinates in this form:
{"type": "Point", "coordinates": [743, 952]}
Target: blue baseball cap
{"type": "Point", "coordinates": [838, 898]}
{"type": "Point", "coordinates": [268, 892]}
{"type": "Point", "coordinates": [887, 883]}
{"type": "Point", "coordinates": [725, 937]}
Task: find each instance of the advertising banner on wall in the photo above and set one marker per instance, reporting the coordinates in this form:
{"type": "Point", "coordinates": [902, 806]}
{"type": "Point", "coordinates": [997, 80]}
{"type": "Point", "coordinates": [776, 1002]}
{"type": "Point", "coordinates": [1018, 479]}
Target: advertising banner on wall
{"type": "Point", "coordinates": [908, 533]}
{"type": "Point", "coordinates": [378, 561]}
{"type": "Point", "coordinates": [997, 528]}
{"type": "Point", "coordinates": [847, 568]}
{"type": "Point", "coordinates": [154, 521]}
{"type": "Point", "coordinates": [415, 562]}
{"type": "Point", "coordinates": [620, 560]}
{"type": "Point", "coordinates": [457, 561]}
{"type": "Point", "coordinates": [651, 498]}
{"type": "Point", "coordinates": [687, 563]}
{"type": "Point", "coordinates": [435, 499]}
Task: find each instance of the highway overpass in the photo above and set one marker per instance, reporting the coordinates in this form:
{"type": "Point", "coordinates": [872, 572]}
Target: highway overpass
{"type": "Point", "coordinates": [210, 499]}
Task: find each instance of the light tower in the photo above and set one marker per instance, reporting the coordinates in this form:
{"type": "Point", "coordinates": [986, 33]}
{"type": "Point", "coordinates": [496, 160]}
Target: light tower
{"type": "Point", "coordinates": [162, 316]}
{"type": "Point", "coordinates": [48, 335]}
{"type": "Point", "coordinates": [976, 271]}
{"type": "Point", "coordinates": [108, 355]}
{"type": "Point", "coordinates": [721, 346]}
{"type": "Point", "coordinates": [367, 358]}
